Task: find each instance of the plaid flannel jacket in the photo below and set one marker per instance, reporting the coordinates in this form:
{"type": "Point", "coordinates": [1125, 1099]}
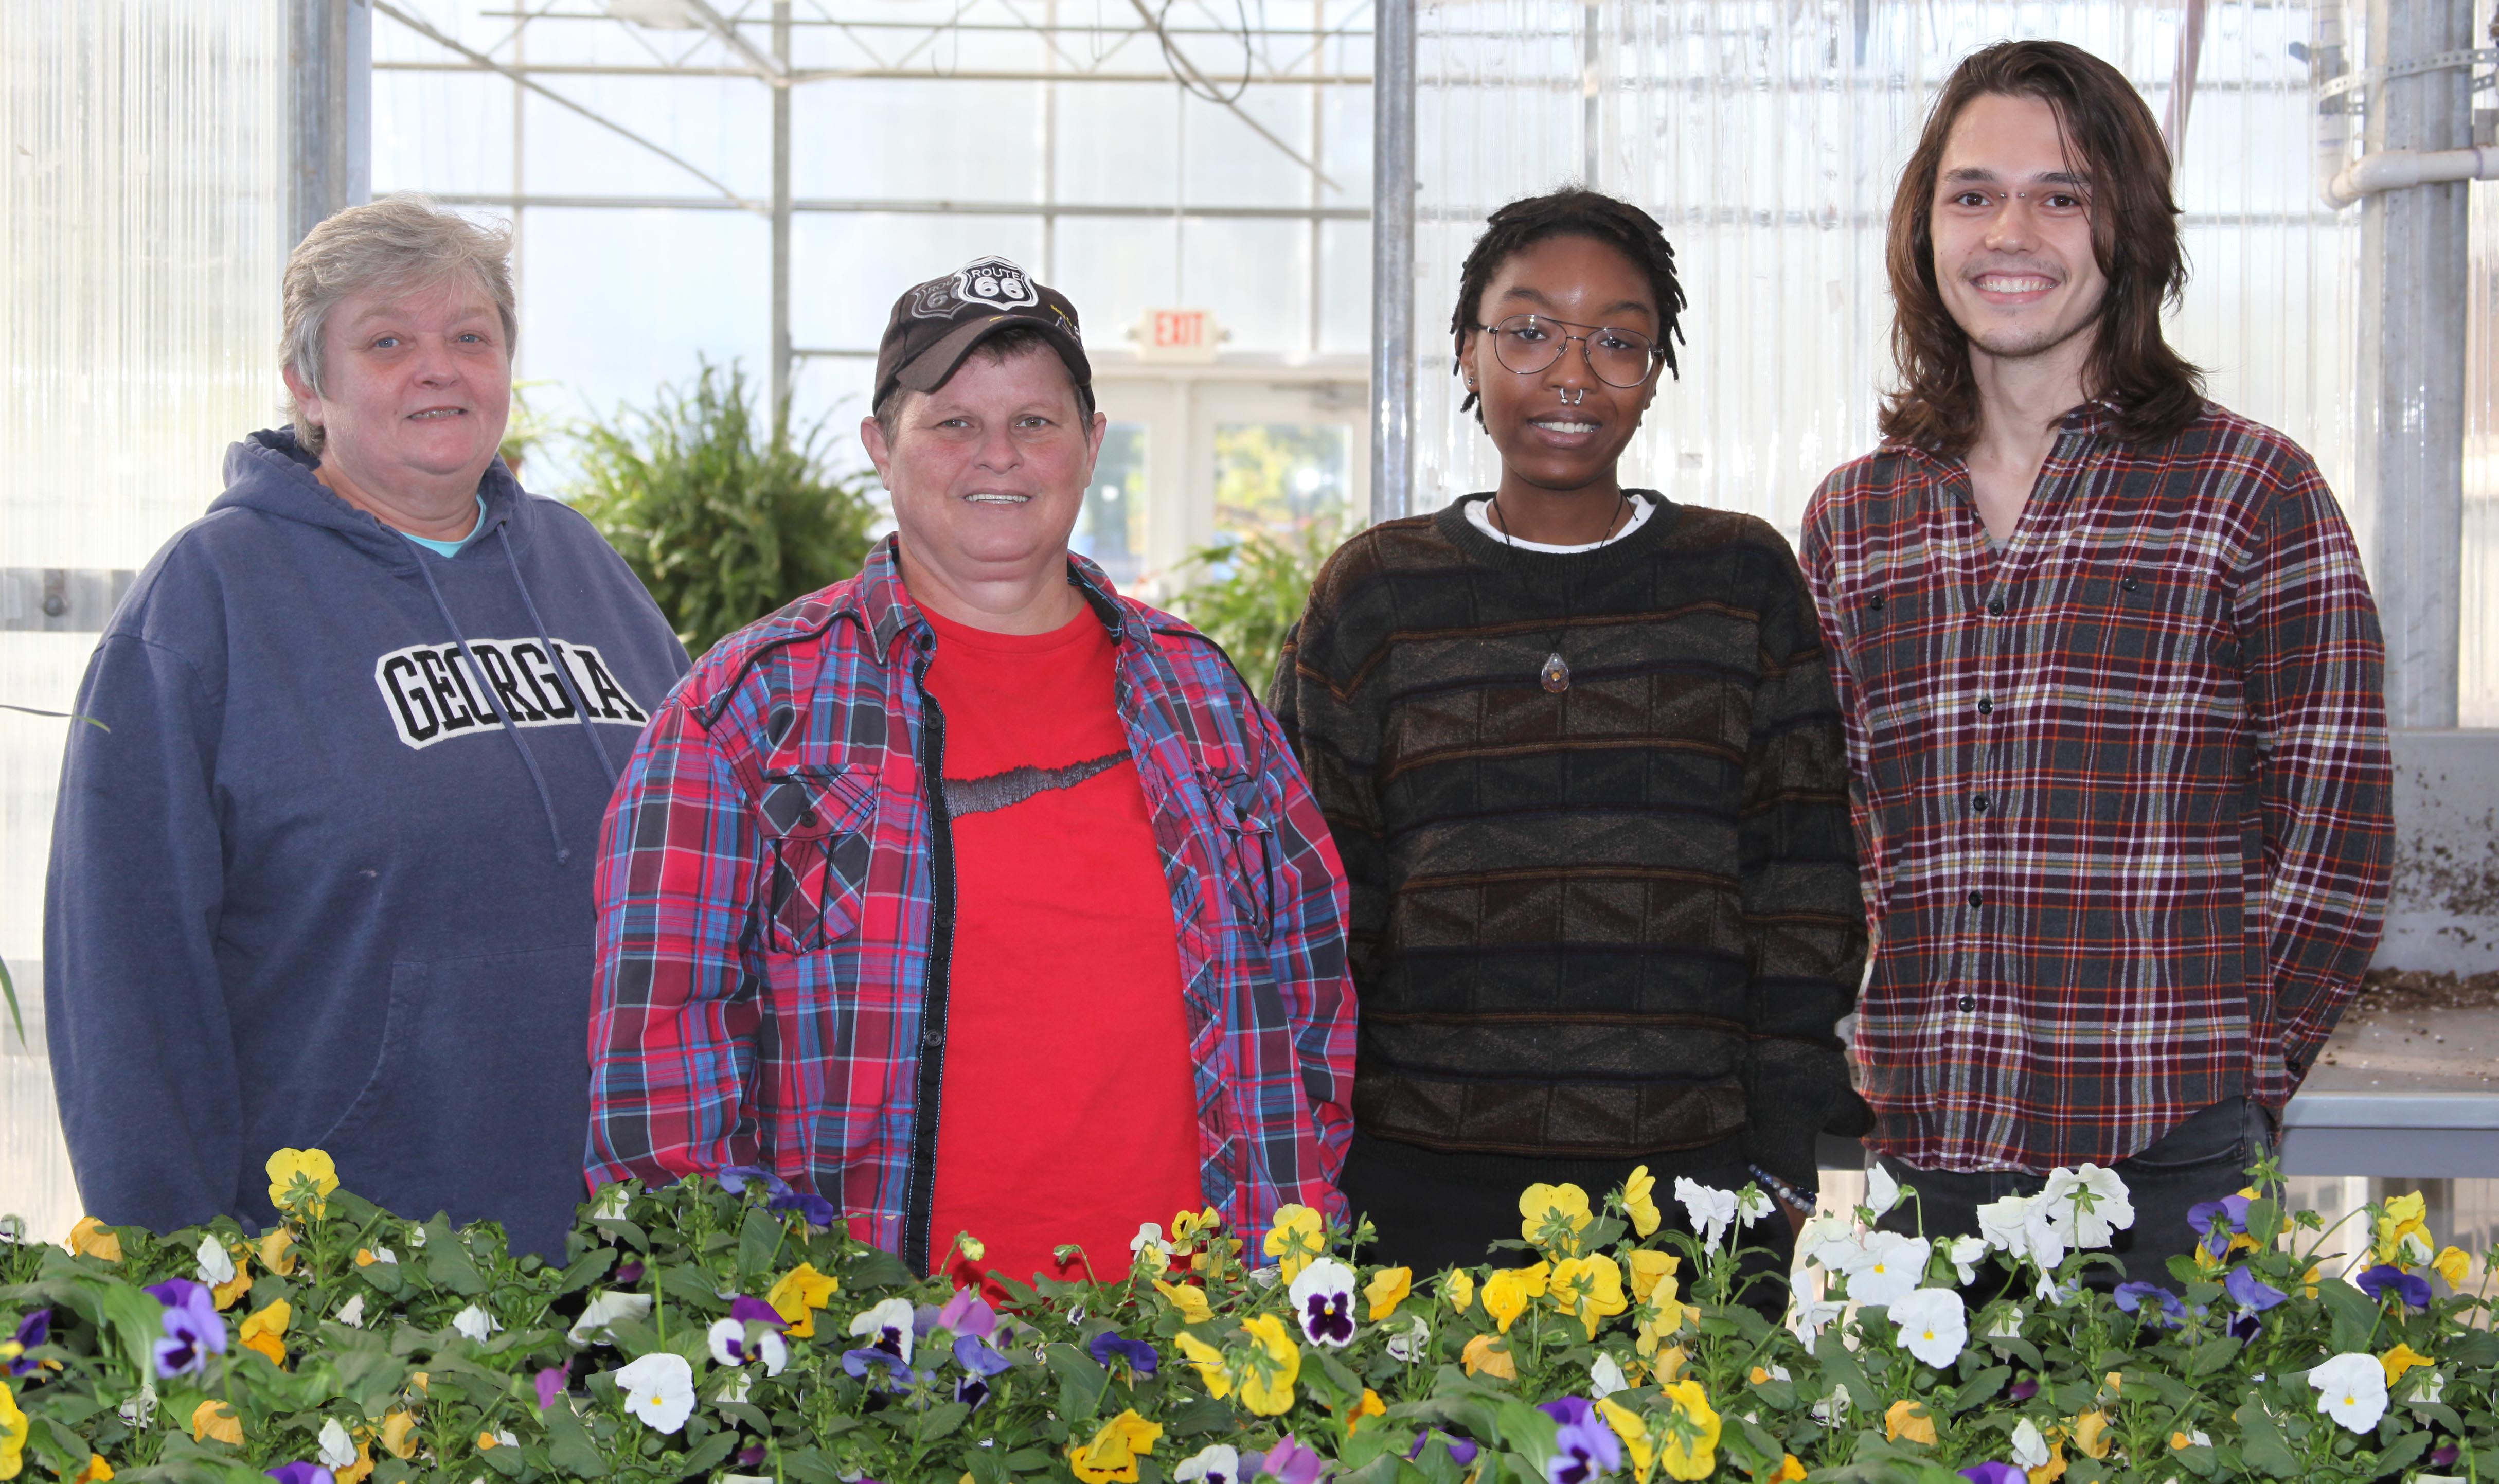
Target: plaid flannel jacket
{"type": "Point", "coordinates": [774, 894]}
{"type": "Point", "coordinates": [2122, 787]}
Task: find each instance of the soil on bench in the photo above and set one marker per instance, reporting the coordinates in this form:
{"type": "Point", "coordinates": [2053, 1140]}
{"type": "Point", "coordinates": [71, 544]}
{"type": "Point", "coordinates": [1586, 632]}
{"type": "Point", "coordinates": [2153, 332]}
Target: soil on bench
{"type": "Point", "coordinates": [2410, 1030]}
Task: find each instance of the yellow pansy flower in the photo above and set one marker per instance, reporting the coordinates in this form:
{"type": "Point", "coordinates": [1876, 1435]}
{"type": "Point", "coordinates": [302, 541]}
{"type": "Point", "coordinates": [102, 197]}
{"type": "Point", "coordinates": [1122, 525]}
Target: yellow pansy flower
{"type": "Point", "coordinates": [1389, 1288]}
{"type": "Point", "coordinates": [1267, 1373]}
{"type": "Point", "coordinates": [91, 1237]}
{"type": "Point", "coordinates": [1649, 1269]}
{"type": "Point", "coordinates": [1113, 1453]}
{"type": "Point", "coordinates": [1190, 1225]}
{"type": "Point", "coordinates": [1640, 1201]}
{"type": "Point", "coordinates": [356, 1472]}
{"type": "Point", "coordinates": [2403, 1232]}
{"type": "Point", "coordinates": [1216, 1376]}
{"type": "Point", "coordinates": [2055, 1469]}
{"type": "Point", "coordinates": [2400, 1359]}
{"type": "Point", "coordinates": [277, 1252]}
{"type": "Point", "coordinates": [1554, 1215]}
{"type": "Point", "coordinates": [397, 1426]}
{"type": "Point", "coordinates": [1298, 1236]}
{"type": "Point", "coordinates": [1669, 1364]}
{"type": "Point", "coordinates": [1458, 1286]}
{"type": "Point", "coordinates": [14, 1429]}
{"type": "Point", "coordinates": [225, 1294]}
{"type": "Point", "coordinates": [263, 1328]}
{"type": "Point", "coordinates": [1505, 1296]}
{"type": "Point", "coordinates": [1486, 1356]}
{"type": "Point", "coordinates": [1637, 1446]}
{"type": "Point", "coordinates": [1589, 1289]}
{"type": "Point", "coordinates": [1689, 1450]}
{"type": "Point", "coordinates": [286, 1165]}
{"type": "Point", "coordinates": [2091, 1433]}
{"type": "Point", "coordinates": [95, 1470]}
{"type": "Point", "coordinates": [1189, 1299]}
{"type": "Point", "coordinates": [1369, 1407]}
{"type": "Point", "coordinates": [798, 1293]}
{"type": "Point", "coordinates": [1791, 1471]}
{"type": "Point", "coordinates": [1907, 1419]}
{"type": "Point", "coordinates": [2454, 1266]}
{"type": "Point", "coordinates": [214, 1419]}
{"type": "Point", "coordinates": [1665, 1317]}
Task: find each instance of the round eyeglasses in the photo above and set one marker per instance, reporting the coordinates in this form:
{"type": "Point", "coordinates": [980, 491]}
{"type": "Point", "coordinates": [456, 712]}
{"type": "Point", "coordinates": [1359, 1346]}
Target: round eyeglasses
{"type": "Point", "coordinates": [1527, 343]}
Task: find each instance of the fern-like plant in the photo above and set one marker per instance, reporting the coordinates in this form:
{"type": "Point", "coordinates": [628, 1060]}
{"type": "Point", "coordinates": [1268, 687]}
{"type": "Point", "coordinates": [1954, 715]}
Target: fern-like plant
{"type": "Point", "coordinates": [1252, 589]}
{"type": "Point", "coordinates": [724, 521]}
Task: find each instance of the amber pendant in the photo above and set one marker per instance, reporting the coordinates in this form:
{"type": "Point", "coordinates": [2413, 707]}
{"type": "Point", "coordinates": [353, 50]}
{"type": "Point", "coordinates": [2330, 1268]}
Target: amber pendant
{"type": "Point", "coordinates": [1556, 674]}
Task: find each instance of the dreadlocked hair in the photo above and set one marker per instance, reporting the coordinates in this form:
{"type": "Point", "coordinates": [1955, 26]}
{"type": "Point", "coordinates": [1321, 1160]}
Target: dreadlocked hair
{"type": "Point", "coordinates": [1571, 211]}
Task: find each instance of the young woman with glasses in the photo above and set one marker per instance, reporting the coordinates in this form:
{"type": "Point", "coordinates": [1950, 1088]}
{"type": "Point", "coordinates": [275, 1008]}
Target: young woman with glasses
{"type": "Point", "coordinates": [1580, 753]}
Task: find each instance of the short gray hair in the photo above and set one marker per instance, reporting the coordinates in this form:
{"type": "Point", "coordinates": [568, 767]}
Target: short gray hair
{"type": "Point", "coordinates": [399, 241]}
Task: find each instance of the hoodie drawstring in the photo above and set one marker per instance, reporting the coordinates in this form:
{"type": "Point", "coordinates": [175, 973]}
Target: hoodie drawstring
{"type": "Point", "coordinates": [564, 677]}
{"type": "Point", "coordinates": [511, 729]}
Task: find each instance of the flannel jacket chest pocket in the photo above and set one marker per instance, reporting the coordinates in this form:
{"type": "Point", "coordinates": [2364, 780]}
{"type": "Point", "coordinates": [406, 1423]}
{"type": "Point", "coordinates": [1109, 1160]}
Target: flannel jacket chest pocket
{"type": "Point", "coordinates": [818, 827]}
{"type": "Point", "coordinates": [1243, 835]}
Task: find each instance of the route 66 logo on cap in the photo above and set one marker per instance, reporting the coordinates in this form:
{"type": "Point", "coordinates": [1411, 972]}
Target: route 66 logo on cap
{"type": "Point", "coordinates": [994, 282]}
{"type": "Point", "coordinates": [937, 324]}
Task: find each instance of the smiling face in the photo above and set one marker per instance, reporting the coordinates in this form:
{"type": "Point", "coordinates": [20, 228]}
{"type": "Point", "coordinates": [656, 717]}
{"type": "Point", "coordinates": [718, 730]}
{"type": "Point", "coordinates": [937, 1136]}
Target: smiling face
{"type": "Point", "coordinates": [989, 471]}
{"type": "Point", "coordinates": [2013, 254]}
{"type": "Point", "coordinates": [1562, 429]}
{"type": "Point", "coordinates": [419, 388]}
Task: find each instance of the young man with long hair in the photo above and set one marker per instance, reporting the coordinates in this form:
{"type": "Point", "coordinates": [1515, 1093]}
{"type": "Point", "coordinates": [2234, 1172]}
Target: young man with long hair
{"type": "Point", "coordinates": [2112, 678]}
{"type": "Point", "coordinates": [1577, 748]}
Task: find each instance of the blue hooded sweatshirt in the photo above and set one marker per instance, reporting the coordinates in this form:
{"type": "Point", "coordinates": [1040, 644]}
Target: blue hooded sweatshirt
{"type": "Point", "coordinates": [308, 889]}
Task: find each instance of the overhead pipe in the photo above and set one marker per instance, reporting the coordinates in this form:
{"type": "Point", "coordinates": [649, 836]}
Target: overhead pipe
{"type": "Point", "coordinates": [2395, 169]}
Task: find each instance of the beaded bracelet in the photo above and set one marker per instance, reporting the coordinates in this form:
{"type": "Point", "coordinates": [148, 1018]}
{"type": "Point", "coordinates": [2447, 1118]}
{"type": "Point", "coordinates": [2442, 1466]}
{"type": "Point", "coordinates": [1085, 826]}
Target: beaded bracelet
{"type": "Point", "coordinates": [1785, 1194]}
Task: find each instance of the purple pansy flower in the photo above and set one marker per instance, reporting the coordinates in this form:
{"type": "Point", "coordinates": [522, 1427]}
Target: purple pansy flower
{"type": "Point", "coordinates": [1584, 1446]}
{"type": "Point", "coordinates": [1462, 1450]}
{"type": "Point", "coordinates": [751, 1455]}
{"type": "Point", "coordinates": [299, 1474]}
{"type": "Point", "coordinates": [2410, 1287]}
{"type": "Point", "coordinates": [2156, 1305]}
{"type": "Point", "coordinates": [2022, 1390]}
{"type": "Point", "coordinates": [859, 1362]}
{"type": "Point", "coordinates": [2445, 1454]}
{"type": "Point", "coordinates": [551, 1383]}
{"type": "Point", "coordinates": [746, 1311]}
{"type": "Point", "coordinates": [1139, 1355]}
{"type": "Point", "coordinates": [628, 1272]}
{"type": "Point", "coordinates": [968, 1313]}
{"type": "Point", "coordinates": [2250, 1292]}
{"type": "Point", "coordinates": [2219, 1221]}
{"type": "Point", "coordinates": [32, 1331]}
{"type": "Point", "coordinates": [779, 1194]}
{"type": "Point", "coordinates": [193, 1332]}
{"type": "Point", "coordinates": [1994, 1473]}
{"type": "Point", "coordinates": [1288, 1460]}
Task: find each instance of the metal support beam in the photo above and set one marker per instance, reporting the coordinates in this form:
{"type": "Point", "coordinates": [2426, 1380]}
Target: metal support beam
{"type": "Point", "coordinates": [782, 361]}
{"type": "Point", "coordinates": [2412, 332]}
{"type": "Point", "coordinates": [330, 54]}
{"type": "Point", "coordinates": [1392, 259]}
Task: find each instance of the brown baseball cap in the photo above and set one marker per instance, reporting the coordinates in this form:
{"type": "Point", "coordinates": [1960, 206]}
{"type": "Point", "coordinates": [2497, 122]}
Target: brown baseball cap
{"type": "Point", "coordinates": [937, 324]}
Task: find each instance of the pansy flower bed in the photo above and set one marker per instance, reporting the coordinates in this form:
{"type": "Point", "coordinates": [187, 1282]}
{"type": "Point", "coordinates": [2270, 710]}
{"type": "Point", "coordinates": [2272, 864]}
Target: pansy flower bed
{"type": "Point", "coordinates": [730, 1330]}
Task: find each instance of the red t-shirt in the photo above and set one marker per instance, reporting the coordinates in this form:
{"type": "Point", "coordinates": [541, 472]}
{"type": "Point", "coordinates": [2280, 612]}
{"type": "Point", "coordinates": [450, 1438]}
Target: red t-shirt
{"type": "Point", "coordinates": [1069, 1111]}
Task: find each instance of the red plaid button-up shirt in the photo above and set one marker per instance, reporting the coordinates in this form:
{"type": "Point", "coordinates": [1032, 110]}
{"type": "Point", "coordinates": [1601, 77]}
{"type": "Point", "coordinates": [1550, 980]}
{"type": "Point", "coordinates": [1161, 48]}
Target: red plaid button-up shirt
{"type": "Point", "coordinates": [774, 896]}
{"type": "Point", "coordinates": [2121, 787]}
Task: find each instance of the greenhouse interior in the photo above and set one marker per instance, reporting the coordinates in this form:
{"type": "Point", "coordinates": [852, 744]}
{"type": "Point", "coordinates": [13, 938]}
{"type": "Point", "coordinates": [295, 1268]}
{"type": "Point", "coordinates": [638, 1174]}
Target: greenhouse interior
{"type": "Point", "coordinates": [1260, 208]}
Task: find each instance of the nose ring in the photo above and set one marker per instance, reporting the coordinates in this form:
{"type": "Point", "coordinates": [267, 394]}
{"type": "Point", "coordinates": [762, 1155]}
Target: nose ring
{"type": "Point", "coordinates": [1571, 401]}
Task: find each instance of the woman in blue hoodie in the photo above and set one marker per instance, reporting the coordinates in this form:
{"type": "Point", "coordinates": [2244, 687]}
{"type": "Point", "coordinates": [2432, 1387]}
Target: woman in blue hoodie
{"type": "Point", "coordinates": [320, 875]}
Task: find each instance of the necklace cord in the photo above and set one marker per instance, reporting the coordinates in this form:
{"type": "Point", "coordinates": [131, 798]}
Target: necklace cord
{"type": "Point", "coordinates": [1570, 589]}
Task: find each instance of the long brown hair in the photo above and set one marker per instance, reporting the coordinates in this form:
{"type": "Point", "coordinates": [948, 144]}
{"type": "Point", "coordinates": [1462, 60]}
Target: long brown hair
{"type": "Point", "coordinates": [2153, 389]}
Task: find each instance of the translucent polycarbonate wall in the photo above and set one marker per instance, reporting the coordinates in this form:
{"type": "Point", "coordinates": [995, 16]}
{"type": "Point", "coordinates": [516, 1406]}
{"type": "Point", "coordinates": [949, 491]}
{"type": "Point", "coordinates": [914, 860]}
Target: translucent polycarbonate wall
{"type": "Point", "coordinates": [143, 216]}
{"type": "Point", "coordinates": [1767, 137]}
{"type": "Point", "coordinates": [2477, 659]}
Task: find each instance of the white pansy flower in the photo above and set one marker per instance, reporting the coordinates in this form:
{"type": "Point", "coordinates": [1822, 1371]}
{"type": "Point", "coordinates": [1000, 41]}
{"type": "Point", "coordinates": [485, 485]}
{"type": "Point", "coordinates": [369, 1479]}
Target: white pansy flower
{"type": "Point", "coordinates": [2008, 1323]}
{"type": "Point", "coordinates": [216, 1263]}
{"type": "Point", "coordinates": [352, 1312]}
{"type": "Point", "coordinates": [2005, 1225]}
{"type": "Point", "coordinates": [658, 1389]}
{"type": "Point", "coordinates": [1752, 1204]}
{"type": "Point", "coordinates": [2430, 1387]}
{"type": "Point", "coordinates": [1832, 1408]}
{"type": "Point", "coordinates": [2029, 1449]}
{"type": "Point", "coordinates": [1808, 1316]}
{"type": "Point", "coordinates": [416, 1237]}
{"type": "Point", "coordinates": [728, 1347]}
{"type": "Point", "coordinates": [605, 1309]}
{"type": "Point", "coordinates": [2352, 1389]}
{"type": "Point", "coordinates": [2087, 1205]}
{"type": "Point", "coordinates": [1886, 1267]}
{"type": "Point", "coordinates": [1322, 1299]}
{"type": "Point", "coordinates": [613, 1205]}
{"type": "Point", "coordinates": [140, 1411]}
{"type": "Point", "coordinates": [1408, 1344]}
{"type": "Point", "coordinates": [338, 1449]}
{"type": "Point", "coordinates": [1216, 1463]}
{"type": "Point", "coordinates": [740, 1382]}
{"type": "Point", "coordinates": [1605, 1378]}
{"type": "Point", "coordinates": [887, 1325]}
{"type": "Point", "coordinates": [1775, 1371]}
{"type": "Point", "coordinates": [475, 1323]}
{"type": "Point", "coordinates": [1965, 1253]}
{"type": "Point", "coordinates": [1882, 1192]}
{"type": "Point", "coordinates": [1711, 1210]}
{"type": "Point", "coordinates": [1825, 1241]}
{"type": "Point", "coordinates": [1934, 1326]}
{"type": "Point", "coordinates": [386, 1255]}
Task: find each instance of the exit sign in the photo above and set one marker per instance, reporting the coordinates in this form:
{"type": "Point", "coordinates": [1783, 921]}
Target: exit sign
{"type": "Point", "coordinates": [1177, 335]}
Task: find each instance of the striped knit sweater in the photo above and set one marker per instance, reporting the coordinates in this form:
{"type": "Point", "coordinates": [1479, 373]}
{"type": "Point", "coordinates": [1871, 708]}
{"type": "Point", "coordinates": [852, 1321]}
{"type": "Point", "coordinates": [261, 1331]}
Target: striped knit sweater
{"type": "Point", "coordinates": [1613, 921]}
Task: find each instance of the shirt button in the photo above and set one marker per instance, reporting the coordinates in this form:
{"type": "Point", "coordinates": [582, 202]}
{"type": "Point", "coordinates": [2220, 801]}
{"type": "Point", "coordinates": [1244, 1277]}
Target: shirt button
{"type": "Point", "coordinates": [1968, 1003]}
{"type": "Point", "coordinates": [1995, 606]}
{"type": "Point", "coordinates": [1978, 899]}
{"type": "Point", "coordinates": [2127, 583]}
{"type": "Point", "coordinates": [1980, 803]}
{"type": "Point", "coordinates": [1985, 705]}
{"type": "Point", "coordinates": [1876, 602]}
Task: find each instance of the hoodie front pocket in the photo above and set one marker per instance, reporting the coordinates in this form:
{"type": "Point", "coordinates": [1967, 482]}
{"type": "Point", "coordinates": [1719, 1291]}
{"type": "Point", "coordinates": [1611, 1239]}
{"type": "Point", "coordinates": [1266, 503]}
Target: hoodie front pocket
{"type": "Point", "coordinates": [816, 824]}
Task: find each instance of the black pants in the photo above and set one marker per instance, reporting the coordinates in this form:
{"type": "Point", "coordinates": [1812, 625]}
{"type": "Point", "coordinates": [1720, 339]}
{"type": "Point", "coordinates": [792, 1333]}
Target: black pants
{"type": "Point", "coordinates": [2203, 1159]}
{"type": "Point", "coordinates": [1434, 1211]}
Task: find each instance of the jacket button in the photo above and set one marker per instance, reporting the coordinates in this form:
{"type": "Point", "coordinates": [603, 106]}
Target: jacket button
{"type": "Point", "coordinates": [806, 817]}
{"type": "Point", "coordinates": [1995, 607]}
{"type": "Point", "coordinates": [1968, 1003]}
{"type": "Point", "coordinates": [2127, 583]}
{"type": "Point", "coordinates": [1980, 803]}
{"type": "Point", "coordinates": [1985, 705]}
{"type": "Point", "coordinates": [1978, 899]}
{"type": "Point", "coordinates": [1876, 602]}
